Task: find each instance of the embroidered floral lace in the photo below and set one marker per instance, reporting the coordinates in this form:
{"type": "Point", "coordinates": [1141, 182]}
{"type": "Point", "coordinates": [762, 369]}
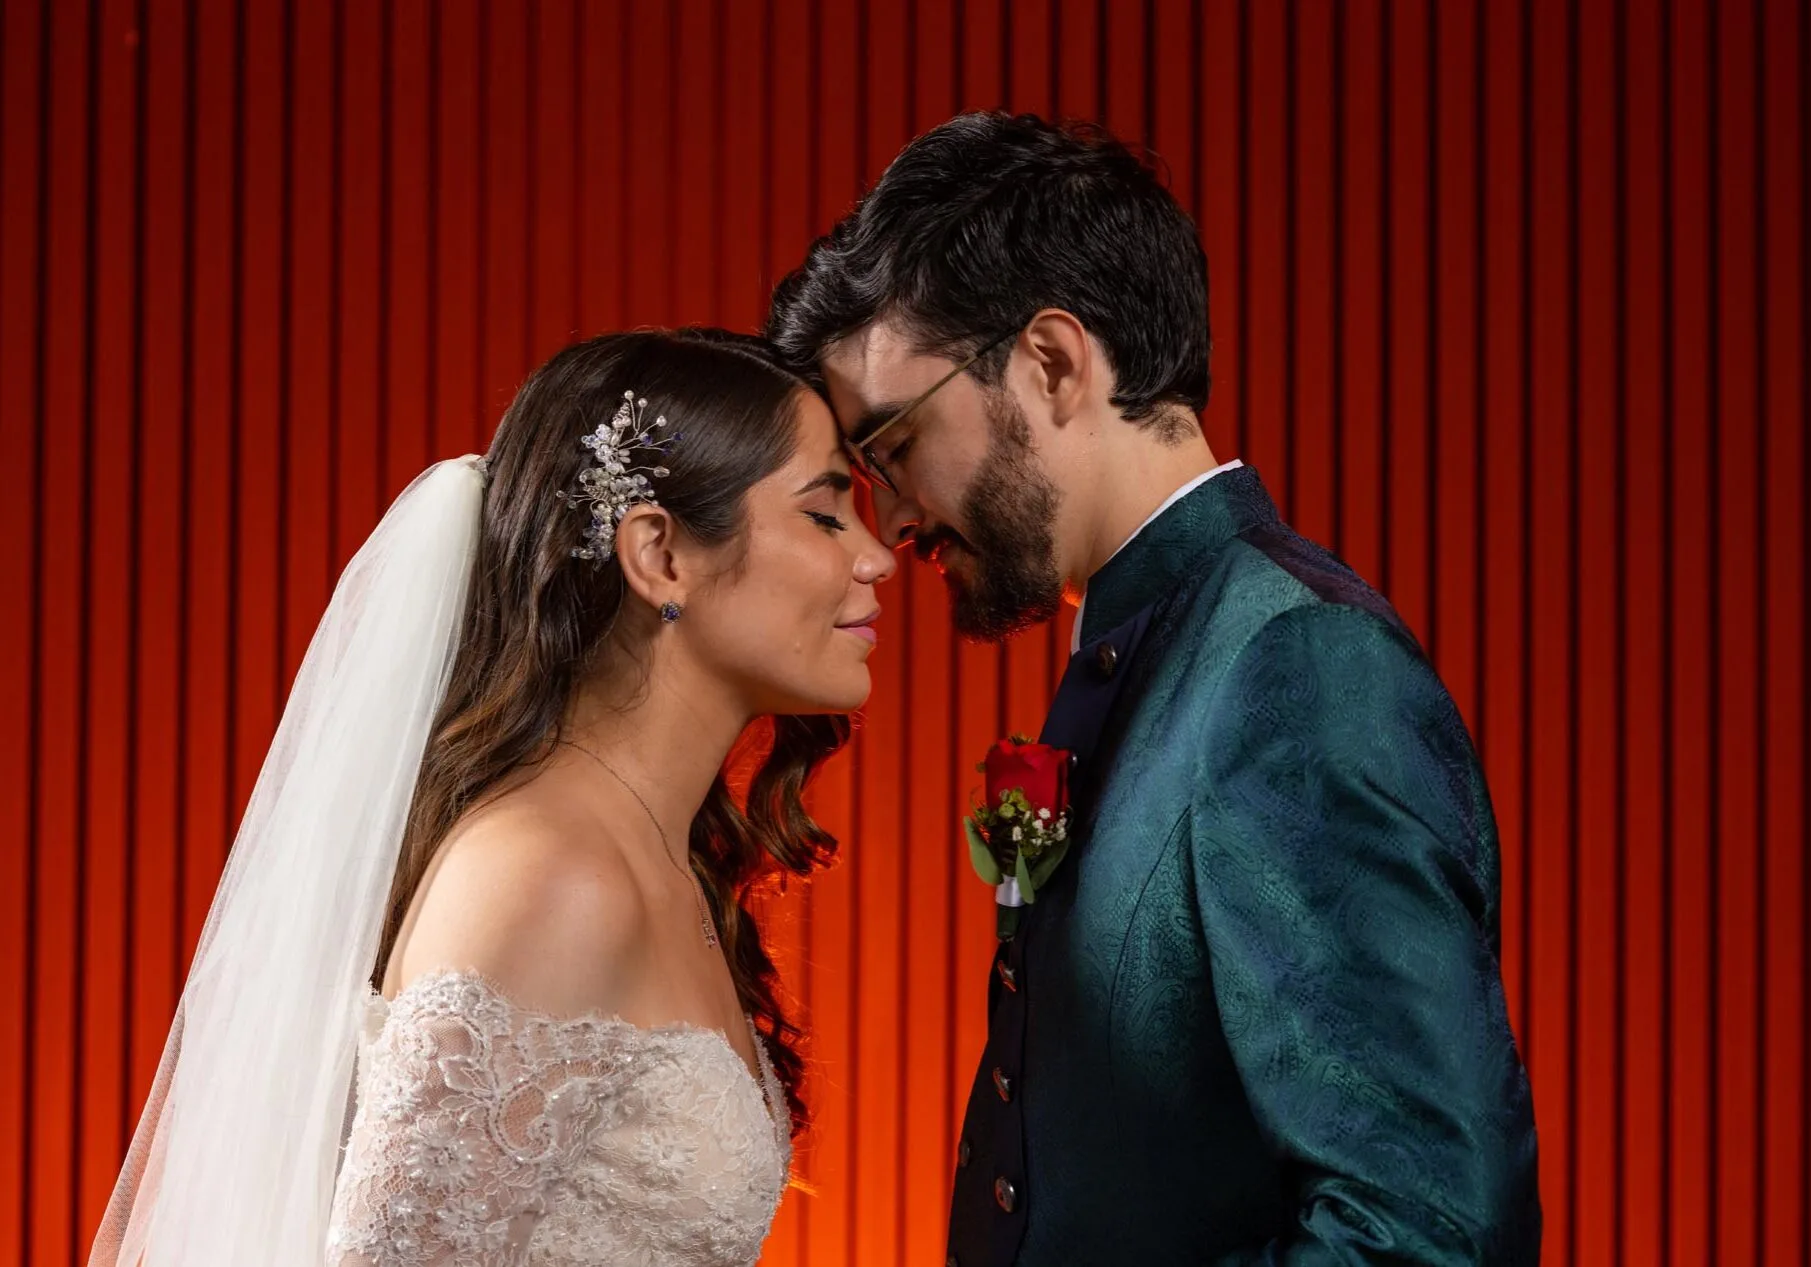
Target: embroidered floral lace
{"type": "Point", "coordinates": [487, 1135]}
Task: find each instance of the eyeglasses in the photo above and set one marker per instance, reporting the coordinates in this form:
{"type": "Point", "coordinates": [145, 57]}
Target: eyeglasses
{"type": "Point", "coordinates": [861, 452]}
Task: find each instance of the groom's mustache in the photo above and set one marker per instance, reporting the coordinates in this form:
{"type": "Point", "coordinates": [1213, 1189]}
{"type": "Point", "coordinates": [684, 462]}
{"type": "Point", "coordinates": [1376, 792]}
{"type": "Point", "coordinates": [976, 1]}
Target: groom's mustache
{"type": "Point", "coordinates": [928, 545]}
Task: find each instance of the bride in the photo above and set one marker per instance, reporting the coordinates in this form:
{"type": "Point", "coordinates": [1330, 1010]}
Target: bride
{"type": "Point", "coordinates": [478, 985]}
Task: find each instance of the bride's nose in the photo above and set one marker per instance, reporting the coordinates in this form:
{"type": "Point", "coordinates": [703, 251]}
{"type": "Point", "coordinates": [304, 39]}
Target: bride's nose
{"type": "Point", "coordinates": [874, 563]}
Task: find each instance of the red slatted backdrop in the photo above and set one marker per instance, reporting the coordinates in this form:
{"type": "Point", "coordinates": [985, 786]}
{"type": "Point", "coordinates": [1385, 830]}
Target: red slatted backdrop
{"type": "Point", "coordinates": [1512, 306]}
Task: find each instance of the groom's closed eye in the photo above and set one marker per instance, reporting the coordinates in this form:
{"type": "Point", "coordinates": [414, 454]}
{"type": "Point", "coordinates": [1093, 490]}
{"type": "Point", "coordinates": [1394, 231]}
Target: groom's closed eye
{"type": "Point", "coordinates": [876, 418]}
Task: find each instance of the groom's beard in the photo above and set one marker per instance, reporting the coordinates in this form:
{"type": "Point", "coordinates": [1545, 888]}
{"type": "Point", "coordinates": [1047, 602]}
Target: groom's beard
{"type": "Point", "coordinates": [1009, 521]}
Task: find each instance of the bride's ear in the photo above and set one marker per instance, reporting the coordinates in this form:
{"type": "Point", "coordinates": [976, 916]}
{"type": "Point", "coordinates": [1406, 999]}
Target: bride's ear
{"type": "Point", "coordinates": [650, 553]}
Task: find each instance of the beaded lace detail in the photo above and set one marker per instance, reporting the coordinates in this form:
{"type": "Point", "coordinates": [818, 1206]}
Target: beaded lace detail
{"type": "Point", "coordinates": [487, 1134]}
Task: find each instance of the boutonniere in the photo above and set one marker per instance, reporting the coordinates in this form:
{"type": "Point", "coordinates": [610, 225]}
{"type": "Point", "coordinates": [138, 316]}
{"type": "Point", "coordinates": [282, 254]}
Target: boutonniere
{"type": "Point", "coordinates": [1018, 835]}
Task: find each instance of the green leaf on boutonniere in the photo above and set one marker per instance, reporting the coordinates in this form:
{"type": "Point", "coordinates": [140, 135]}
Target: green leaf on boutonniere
{"type": "Point", "coordinates": [980, 855]}
{"type": "Point", "coordinates": [1022, 873]}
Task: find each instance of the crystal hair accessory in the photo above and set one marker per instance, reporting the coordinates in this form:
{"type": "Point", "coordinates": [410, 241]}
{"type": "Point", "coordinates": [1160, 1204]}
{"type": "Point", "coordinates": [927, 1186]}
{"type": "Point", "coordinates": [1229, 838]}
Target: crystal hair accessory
{"type": "Point", "coordinates": [613, 482]}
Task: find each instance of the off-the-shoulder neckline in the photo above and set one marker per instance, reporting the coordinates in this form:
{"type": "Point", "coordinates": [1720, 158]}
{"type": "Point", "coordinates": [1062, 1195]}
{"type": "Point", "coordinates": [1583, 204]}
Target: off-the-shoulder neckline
{"type": "Point", "coordinates": [763, 1078]}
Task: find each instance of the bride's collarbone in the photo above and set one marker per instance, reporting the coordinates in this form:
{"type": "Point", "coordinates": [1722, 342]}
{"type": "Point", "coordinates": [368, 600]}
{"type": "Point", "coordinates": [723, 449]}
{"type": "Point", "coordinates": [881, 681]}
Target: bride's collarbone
{"type": "Point", "coordinates": [571, 917]}
{"type": "Point", "coordinates": [678, 979]}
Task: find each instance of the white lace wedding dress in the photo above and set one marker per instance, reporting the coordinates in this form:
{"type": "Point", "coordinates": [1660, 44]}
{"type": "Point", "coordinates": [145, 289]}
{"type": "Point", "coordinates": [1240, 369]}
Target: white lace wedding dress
{"type": "Point", "coordinates": [486, 1135]}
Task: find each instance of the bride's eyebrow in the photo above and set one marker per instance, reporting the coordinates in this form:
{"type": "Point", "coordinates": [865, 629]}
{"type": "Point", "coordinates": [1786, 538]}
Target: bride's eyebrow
{"type": "Point", "coordinates": [838, 481]}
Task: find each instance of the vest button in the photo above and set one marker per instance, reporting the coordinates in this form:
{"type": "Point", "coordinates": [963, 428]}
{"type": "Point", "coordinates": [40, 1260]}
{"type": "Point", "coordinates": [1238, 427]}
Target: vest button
{"type": "Point", "coordinates": [1106, 659]}
{"type": "Point", "coordinates": [963, 1153]}
{"type": "Point", "coordinates": [1005, 1195]}
{"type": "Point", "coordinates": [1002, 1084]}
{"type": "Point", "coordinates": [1008, 977]}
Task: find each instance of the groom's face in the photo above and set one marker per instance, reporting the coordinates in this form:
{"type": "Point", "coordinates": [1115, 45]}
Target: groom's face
{"type": "Point", "coordinates": [971, 496]}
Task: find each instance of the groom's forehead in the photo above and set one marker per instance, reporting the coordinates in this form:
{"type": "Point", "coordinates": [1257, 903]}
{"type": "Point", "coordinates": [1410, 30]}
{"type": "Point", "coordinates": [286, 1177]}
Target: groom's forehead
{"type": "Point", "coordinates": [871, 358]}
{"type": "Point", "coordinates": [871, 369]}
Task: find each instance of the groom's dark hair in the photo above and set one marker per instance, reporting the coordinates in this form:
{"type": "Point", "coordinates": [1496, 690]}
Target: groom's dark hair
{"type": "Point", "coordinates": [981, 222]}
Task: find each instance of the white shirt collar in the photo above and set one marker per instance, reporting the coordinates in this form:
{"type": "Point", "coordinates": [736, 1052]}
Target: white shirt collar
{"type": "Point", "coordinates": [1075, 638]}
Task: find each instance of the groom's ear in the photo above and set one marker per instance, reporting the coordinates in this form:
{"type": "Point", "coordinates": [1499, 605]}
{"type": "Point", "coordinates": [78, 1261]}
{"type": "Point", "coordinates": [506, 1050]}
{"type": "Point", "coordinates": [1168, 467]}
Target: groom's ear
{"type": "Point", "coordinates": [1063, 364]}
{"type": "Point", "coordinates": [653, 559]}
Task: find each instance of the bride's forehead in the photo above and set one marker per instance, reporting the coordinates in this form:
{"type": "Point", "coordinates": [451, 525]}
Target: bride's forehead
{"type": "Point", "coordinates": [816, 424]}
{"type": "Point", "coordinates": [817, 447]}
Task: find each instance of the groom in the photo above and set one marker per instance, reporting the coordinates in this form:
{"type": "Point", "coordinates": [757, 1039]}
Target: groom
{"type": "Point", "coordinates": [1255, 1015]}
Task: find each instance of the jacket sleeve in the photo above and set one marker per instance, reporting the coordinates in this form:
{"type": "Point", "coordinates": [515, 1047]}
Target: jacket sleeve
{"type": "Point", "coordinates": [1345, 868]}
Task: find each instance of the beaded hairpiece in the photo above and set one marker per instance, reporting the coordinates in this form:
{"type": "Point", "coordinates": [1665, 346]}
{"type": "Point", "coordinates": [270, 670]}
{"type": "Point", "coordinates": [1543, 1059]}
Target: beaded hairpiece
{"type": "Point", "coordinates": [612, 482]}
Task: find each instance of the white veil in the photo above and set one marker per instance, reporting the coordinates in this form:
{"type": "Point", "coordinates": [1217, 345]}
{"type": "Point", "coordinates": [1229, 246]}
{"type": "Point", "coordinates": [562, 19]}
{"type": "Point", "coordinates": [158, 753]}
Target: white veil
{"type": "Point", "coordinates": [234, 1159]}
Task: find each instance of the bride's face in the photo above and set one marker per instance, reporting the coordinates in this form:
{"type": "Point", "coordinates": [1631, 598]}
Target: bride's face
{"type": "Point", "coordinates": [794, 621]}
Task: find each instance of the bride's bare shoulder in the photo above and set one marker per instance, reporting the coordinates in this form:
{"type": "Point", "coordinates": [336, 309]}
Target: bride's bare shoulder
{"type": "Point", "coordinates": [533, 897]}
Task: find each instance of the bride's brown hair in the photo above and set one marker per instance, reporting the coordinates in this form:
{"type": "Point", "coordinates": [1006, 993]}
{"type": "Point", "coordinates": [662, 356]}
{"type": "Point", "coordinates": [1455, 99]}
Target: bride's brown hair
{"type": "Point", "coordinates": [538, 619]}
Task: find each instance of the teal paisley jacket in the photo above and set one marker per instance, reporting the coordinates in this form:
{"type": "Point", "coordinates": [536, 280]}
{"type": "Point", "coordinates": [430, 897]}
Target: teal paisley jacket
{"type": "Point", "coordinates": [1257, 1015]}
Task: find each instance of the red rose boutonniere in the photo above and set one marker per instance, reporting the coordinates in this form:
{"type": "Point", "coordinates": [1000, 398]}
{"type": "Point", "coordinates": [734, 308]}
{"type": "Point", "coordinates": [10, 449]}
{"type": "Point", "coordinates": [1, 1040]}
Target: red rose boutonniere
{"type": "Point", "coordinates": [1020, 833]}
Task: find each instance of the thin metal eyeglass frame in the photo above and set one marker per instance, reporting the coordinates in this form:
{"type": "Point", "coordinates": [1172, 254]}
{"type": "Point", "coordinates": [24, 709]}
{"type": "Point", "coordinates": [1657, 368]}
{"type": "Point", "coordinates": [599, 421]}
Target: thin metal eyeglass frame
{"type": "Point", "coordinates": [862, 455]}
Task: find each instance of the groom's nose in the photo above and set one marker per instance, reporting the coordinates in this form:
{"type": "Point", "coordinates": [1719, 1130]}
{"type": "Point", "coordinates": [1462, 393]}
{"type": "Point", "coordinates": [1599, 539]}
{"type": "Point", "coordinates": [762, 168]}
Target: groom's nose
{"type": "Point", "coordinates": [896, 517]}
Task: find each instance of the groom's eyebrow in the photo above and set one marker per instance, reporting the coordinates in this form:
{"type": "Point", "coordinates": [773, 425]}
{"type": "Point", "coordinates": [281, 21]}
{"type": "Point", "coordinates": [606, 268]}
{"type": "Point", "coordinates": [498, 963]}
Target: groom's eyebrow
{"type": "Point", "coordinates": [869, 422]}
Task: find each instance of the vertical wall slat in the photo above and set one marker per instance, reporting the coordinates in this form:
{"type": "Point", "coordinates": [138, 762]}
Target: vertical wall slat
{"type": "Point", "coordinates": [1503, 734]}
{"type": "Point", "coordinates": [1263, 320]}
{"type": "Point", "coordinates": [311, 436]}
{"type": "Point", "coordinates": [1312, 260]}
{"type": "Point", "coordinates": [555, 216]}
{"type": "Point", "coordinates": [1551, 532]}
{"type": "Point", "coordinates": [53, 1073]}
{"type": "Point", "coordinates": [508, 64]}
{"type": "Point", "coordinates": [409, 194]}
{"type": "Point", "coordinates": [363, 283]}
{"type": "Point", "coordinates": [24, 84]}
{"type": "Point", "coordinates": [457, 198]}
{"type": "Point", "coordinates": [1357, 290]}
{"type": "Point", "coordinates": [1740, 502]}
{"type": "Point", "coordinates": [262, 373]}
{"type": "Point", "coordinates": [1597, 601]}
{"type": "Point", "coordinates": [698, 209]}
{"type": "Point", "coordinates": [600, 152]}
{"type": "Point", "coordinates": [157, 550]}
{"type": "Point", "coordinates": [1785, 411]}
{"type": "Point", "coordinates": [1689, 624]}
{"type": "Point", "coordinates": [109, 611]}
{"type": "Point", "coordinates": [1221, 214]}
{"type": "Point", "coordinates": [1641, 248]}
{"type": "Point", "coordinates": [1456, 327]}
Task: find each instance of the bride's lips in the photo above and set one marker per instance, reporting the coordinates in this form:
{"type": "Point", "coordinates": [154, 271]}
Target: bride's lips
{"type": "Point", "coordinates": [864, 628]}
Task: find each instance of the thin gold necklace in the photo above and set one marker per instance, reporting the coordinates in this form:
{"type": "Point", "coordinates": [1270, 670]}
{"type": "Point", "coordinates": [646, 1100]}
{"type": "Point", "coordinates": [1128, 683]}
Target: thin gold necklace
{"type": "Point", "coordinates": [705, 923]}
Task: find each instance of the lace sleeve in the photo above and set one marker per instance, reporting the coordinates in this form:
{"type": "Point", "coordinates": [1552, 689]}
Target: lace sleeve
{"type": "Point", "coordinates": [468, 1113]}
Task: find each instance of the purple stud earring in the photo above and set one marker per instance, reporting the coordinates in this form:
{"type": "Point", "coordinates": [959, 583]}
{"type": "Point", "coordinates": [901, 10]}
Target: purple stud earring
{"type": "Point", "coordinates": [670, 612]}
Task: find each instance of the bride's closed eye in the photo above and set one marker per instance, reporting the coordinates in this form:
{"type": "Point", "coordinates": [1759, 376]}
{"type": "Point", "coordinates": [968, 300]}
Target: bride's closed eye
{"type": "Point", "coordinates": [830, 523]}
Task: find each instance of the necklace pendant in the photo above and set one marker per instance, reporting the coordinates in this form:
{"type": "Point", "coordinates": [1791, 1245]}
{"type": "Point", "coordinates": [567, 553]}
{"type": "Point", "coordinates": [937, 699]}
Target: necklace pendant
{"type": "Point", "coordinates": [705, 922]}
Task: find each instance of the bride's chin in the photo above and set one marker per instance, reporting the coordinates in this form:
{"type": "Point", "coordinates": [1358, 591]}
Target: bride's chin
{"type": "Point", "coordinates": [844, 692]}
{"type": "Point", "coordinates": [855, 694]}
